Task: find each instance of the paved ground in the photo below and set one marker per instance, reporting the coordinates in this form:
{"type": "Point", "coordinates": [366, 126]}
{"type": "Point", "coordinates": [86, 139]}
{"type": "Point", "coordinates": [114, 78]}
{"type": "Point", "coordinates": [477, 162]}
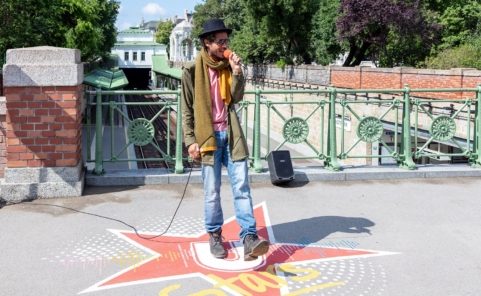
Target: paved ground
{"type": "Point", "coordinates": [403, 237]}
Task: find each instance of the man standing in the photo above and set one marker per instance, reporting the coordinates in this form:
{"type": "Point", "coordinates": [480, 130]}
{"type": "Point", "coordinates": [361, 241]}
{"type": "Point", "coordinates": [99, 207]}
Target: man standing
{"type": "Point", "coordinates": [213, 134]}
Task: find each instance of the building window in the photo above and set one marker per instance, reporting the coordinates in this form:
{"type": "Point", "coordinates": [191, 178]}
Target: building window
{"type": "Point", "coordinates": [134, 56]}
{"type": "Point", "coordinates": [187, 50]}
{"type": "Point", "coordinates": [126, 55]}
{"type": "Point", "coordinates": [142, 56]}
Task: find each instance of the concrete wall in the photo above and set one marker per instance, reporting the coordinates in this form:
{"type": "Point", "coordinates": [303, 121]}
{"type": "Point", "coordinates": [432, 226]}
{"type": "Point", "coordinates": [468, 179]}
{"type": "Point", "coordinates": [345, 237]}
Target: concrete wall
{"type": "Point", "coordinates": [306, 74]}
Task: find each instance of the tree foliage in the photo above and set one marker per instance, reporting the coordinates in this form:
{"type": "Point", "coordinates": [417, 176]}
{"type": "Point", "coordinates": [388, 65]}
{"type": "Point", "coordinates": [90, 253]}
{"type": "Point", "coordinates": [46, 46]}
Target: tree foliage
{"type": "Point", "coordinates": [390, 32]}
{"type": "Point", "coordinates": [439, 6]}
{"type": "Point", "coordinates": [162, 36]}
{"type": "Point", "coordinates": [324, 42]}
{"type": "Point", "coordinates": [365, 25]}
{"type": "Point", "coordinates": [233, 12]}
{"type": "Point", "coordinates": [460, 42]}
{"type": "Point", "coordinates": [88, 25]}
{"type": "Point", "coordinates": [290, 22]}
{"type": "Point", "coordinates": [460, 23]}
{"type": "Point", "coordinates": [235, 16]}
{"type": "Point", "coordinates": [255, 45]}
{"type": "Point", "coordinates": [467, 55]}
{"type": "Point", "coordinates": [265, 31]}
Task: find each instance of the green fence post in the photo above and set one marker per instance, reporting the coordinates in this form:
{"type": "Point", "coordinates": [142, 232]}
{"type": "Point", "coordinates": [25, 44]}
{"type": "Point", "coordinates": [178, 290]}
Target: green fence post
{"type": "Point", "coordinates": [476, 158]}
{"type": "Point", "coordinates": [331, 161]}
{"type": "Point", "coordinates": [99, 155]}
{"type": "Point", "coordinates": [257, 132]}
{"type": "Point", "coordinates": [407, 154]}
{"type": "Point", "coordinates": [88, 115]}
{"type": "Point", "coordinates": [179, 166]}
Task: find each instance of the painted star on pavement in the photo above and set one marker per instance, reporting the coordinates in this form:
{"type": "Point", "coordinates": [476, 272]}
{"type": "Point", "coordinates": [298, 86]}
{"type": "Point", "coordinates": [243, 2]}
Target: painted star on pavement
{"type": "Point", "coordinates": [180, 257]}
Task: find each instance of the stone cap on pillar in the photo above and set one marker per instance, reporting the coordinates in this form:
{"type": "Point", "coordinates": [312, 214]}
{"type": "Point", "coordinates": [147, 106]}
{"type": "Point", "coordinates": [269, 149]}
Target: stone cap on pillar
{"type": "Point", "coordinates": [42, 66]}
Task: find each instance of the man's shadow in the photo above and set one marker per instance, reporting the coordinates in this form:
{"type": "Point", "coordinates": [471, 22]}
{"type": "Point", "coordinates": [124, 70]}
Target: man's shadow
{"type": "Point", "coordinates": [313, 230]}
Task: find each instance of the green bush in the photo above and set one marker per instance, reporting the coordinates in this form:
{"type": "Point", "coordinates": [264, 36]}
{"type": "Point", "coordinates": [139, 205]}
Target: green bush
{"type": "Point", "coordinates": [466, 55]}
{"type": "Point", "coordinates": [281, 64]}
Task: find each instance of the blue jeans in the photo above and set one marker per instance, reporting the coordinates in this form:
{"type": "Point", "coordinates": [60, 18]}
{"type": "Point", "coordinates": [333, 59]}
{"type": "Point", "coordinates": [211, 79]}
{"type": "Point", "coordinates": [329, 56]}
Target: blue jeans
{"type": "Point", "coordinates": [237, 171]}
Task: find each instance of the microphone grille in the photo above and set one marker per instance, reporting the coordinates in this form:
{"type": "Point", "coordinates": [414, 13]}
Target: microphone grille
{"type": "Point", "coordinates": [227, 53]}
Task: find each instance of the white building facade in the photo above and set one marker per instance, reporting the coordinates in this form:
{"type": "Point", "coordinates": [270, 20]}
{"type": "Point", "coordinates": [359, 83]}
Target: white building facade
{"type": "Point", "coordinates": [135, 48]}
{"type": "Point", "coordinates": [182, 47]}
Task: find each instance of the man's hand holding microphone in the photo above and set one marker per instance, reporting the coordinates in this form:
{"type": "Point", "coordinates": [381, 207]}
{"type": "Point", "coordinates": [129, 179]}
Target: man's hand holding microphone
{"type": "Point", "coordinates": [234, 61]}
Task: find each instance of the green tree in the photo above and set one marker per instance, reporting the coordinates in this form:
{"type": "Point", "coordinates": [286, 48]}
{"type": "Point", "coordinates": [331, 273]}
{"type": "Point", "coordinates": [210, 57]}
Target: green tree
{"type": "Point", "coordinates": [254, 43]}
{"type": "Point", "coordinates": [289, 23]}
{"type": "Point", "coordinates": [460, 23]}
{"type": "Point", "coordinates": [234, 14]}
{"type": "Point", "coordinates": [164, 29]}
{"type": "Point", "coordinates": [403, 50]}
{"type": "Point", "coordinates": [208, 10]}
{"type": "Point", "coordinates": [467, 55]}
{"type": "Point", "coordinates": [266, 31]}
{"type": "Point", "coordinates": [21, 27]}
{"type": "Point", "coordinates": [365, 26]}
{"type": "Point", "coordinates": [411, 47]}
{"type": "Point", "coordinates": [324, 42]}
{"type": "Point", "coordinates": [85, 37]}
{"type": "Point", "coordinates": [107, 12]}
{"type": "Point", "coordinates": [88, 25]}
{"type": "Point", "coordinates": [461, 31]}
{"type": "Point", "coordinates": [391, 32]}
{"type": "Point", "coordinates": [439, 6]}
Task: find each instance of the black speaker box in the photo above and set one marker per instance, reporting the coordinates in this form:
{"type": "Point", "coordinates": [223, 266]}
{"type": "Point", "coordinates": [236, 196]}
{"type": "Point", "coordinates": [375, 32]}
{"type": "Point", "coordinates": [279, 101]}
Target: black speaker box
{"type": "Point", "coordinates": [280, 166]}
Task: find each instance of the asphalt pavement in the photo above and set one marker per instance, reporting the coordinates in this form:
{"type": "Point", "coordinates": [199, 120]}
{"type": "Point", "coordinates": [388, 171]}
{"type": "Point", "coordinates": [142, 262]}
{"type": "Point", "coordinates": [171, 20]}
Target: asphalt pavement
{"type": "Point", "coordinates": [381, 237]}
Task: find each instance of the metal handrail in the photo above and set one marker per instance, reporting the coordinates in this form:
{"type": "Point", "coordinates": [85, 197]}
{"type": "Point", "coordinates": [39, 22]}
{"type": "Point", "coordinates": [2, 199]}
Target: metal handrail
{"type": "Point", "coordinates": [335, 104]}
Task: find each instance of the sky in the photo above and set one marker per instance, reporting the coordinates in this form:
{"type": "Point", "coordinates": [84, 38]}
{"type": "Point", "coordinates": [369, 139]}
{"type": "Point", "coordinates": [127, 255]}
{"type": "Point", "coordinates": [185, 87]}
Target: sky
{"type": "Point", "coordinates": [132, 11]}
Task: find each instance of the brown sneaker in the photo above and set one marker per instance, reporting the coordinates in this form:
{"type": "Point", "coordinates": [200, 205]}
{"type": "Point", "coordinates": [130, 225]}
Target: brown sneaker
{"type": "Point", "coordinates": [216, 246]}
{"type": "Point", "coordinates": [254, 247]}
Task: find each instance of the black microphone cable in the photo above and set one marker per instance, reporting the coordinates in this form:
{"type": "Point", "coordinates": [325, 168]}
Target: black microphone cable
{"type": "Point", "coordinates": [4, 203]}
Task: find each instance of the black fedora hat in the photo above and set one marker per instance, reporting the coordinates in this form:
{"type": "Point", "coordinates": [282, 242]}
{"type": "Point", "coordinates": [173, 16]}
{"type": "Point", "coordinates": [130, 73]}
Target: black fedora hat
{"type": "Point", "coordinates": [213, 26]}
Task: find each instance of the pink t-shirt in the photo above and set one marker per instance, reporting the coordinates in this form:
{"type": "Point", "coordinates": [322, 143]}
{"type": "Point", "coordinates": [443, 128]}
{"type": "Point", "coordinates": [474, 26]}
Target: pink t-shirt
{"type": "Point", "coordinates": [219, 111]}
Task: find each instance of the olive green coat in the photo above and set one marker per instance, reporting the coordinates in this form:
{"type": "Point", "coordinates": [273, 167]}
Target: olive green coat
{"type": "Point", "coordinates": [236, 138]}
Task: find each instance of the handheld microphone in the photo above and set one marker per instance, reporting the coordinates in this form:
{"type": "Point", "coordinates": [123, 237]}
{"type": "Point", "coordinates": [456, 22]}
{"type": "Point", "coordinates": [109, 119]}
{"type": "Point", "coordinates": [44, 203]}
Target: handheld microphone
{"type": "Point", "coordinates": [227, 53]}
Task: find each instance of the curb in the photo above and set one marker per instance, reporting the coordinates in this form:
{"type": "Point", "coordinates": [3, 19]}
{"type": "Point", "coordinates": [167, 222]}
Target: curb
{"type": "Point", "coordinates": [302, 175]}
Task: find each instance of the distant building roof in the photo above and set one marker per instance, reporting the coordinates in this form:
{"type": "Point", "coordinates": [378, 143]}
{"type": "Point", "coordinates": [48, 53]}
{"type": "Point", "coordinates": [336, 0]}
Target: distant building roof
{"type": "Point", "coordinates": [187, 17]}
{"type": "Point", "coordinates": [106, 79]}
{"type": "Point", "coordinates": [150, 25]}
{"type": "Point", "coordinates": [137, 43]}
{"type": "Point", "coordinates": [183, 26]}
{"type": "Point", "coordinates": [135, 30]}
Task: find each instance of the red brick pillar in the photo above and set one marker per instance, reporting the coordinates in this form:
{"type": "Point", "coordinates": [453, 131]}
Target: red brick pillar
{"type": "Point", "coordinates": [43, 89]}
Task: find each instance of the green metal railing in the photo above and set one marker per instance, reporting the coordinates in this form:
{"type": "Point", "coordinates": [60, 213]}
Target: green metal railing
{"type": "Point", "coordinates": [139, 131]}
{"type": "Point", "coordinates": [295, 120]}
{"type": "Point", "coordinates": [296, 126]}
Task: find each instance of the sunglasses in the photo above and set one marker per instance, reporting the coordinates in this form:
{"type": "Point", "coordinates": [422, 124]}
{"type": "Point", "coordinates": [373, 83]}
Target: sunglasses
{"type": "Point", "coordinates": [221, 42]}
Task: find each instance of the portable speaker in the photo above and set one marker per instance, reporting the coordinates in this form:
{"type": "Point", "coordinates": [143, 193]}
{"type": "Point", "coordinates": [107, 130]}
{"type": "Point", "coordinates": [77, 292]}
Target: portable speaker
{"type": "Point", "coordinates": [280, 166]}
